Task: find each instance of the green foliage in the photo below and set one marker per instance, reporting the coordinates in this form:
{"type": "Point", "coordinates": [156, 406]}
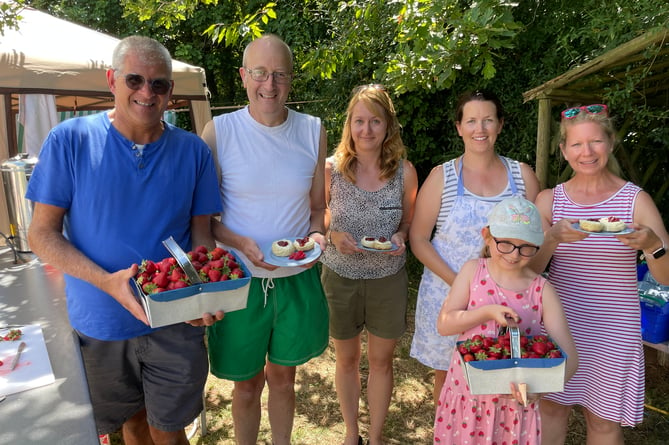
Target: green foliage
{"type": "Point", "coordinates": [242, 27]}
{"type": "Point", "coordinates": [165, 13]}
{"type": "Point", "coordinates": [426, 52]}
{"type": "Point", "coordinates": [10, 15]}
{"type": "Point", "coordinates": [441, 39]}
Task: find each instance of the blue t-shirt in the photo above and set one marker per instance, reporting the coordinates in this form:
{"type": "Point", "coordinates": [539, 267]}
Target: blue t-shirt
{"type": "Point", "coordinates": [121, 202]}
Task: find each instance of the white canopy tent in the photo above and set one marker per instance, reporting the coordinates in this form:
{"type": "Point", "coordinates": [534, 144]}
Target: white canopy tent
{"type": "Point", "coordinates": [50, 56]}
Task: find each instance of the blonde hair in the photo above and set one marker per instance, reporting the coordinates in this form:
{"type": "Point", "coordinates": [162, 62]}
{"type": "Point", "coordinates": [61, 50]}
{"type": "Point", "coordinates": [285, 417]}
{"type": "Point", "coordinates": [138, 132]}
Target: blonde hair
{"type": "Point", "coordinates": [605, 122]}
{"type": "Point", "coordinates": [374, 97]}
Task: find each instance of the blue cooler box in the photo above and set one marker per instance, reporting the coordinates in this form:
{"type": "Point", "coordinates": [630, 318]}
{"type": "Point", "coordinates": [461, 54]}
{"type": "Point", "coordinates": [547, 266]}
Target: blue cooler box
{"type": "Point", "coordinates": [654, 319]}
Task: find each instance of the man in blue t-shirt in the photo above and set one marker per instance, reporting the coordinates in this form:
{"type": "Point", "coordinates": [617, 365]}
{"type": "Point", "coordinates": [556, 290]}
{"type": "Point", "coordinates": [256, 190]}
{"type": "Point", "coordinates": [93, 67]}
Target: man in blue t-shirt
{"type": "Point", "coordinates": [108, 189]}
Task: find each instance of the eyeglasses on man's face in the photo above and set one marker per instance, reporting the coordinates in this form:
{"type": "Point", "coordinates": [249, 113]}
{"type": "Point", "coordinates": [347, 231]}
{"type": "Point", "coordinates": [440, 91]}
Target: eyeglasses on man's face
{"type": "Point", "coordinates": [158, 86]}
{"type": "Point", "coordinates": [571, 113]}
{"type": "Point", "coordinates": [506, 247]}
{"type": "Point", "coordinates": [279, 77]}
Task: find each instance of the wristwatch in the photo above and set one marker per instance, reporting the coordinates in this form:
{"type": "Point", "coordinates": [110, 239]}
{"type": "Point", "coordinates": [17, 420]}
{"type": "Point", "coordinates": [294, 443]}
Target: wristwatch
{"type": "Point", "coordinates": [659, 252]}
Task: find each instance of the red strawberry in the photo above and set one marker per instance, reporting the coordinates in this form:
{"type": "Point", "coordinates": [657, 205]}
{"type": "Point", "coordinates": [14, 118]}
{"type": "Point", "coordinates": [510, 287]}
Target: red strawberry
{"type": "Point", "coordinates": [481, 355]}
{"type": "Point", "coordinates": [236, 273]}
{"type": "Point", "coordinates": [160, 279]}
{"type": "Point", "coordinates": [297, 255]}
{"type": "Point", "coordinates": [202, 249]}
{"type": "Point", "coordinates": [217, 253]}
{"type": "Point", "coordinates": [164, 265]}
{"type": "Point", "coordinates": [149, 287]}
{"type": "Point", "coordinates": [468, 357]}
{"type": "Point", "coordinates": [176, 275]}
{"type": "Point", "coordinates": [147, 266]}
{"type": "Point", "coordinates": [180, 284]}
{"type": "Point", "coordinates": [554, 353]}
{"type": "Point", "coordinates": [462, 347]}
{"type": "Point", "coordinates": [217, 264]}
{"type": "Point", "coordinates": [495, 351]}
{"type": "Point", "coordinates": [539, 348]}
{"type": "Point", "coordinates": [214, 275]}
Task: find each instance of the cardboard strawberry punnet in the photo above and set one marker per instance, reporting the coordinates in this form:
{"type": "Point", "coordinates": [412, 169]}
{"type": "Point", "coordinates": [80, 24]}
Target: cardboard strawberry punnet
{"type": "Point", "coordinates": [186, 285]}
{"type": "Point", "coordinates": [491, 364]}
{"type": "Point", "coordinates": [211, 266]}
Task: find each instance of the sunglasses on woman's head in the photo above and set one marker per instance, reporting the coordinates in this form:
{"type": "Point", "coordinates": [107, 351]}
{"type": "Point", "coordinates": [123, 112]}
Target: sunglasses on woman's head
{"type": "Point", "coordinates": [571, 113]}
{"type": "Point", "coordinates": [158, 86]}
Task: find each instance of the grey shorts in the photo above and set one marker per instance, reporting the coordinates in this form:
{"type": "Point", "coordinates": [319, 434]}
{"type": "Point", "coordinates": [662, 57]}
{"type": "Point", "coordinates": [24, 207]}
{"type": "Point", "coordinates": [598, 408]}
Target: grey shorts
{"type": "Point", "coordinates": [379, 304]}
{"type": "Point", "coordinates": [164, 372]}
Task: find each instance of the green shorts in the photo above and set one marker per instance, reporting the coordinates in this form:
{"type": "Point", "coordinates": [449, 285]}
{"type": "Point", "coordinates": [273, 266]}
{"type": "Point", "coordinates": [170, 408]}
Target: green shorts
{"type": "Point", "coordinates": [288, 328]}
{"type": "Point", "coordinates": [378, 304]}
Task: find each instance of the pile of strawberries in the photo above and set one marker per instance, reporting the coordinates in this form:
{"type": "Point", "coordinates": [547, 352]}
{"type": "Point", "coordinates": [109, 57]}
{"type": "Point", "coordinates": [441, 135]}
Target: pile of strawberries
{"type": "Point", "coordinates": [12, 335]}
{"type": "Point", "coordinates": [212, 266]}
{"type": "Point", "coordinates": [480, 347]}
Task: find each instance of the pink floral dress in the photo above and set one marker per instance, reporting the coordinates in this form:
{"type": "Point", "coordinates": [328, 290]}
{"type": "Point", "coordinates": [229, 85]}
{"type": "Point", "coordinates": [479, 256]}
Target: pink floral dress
{"type": "Point", "coordinates": [463, 418]}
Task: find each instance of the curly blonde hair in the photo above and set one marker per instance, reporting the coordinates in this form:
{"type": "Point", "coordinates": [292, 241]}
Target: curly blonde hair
{"type": "Point", "coordinates": [393, 151]}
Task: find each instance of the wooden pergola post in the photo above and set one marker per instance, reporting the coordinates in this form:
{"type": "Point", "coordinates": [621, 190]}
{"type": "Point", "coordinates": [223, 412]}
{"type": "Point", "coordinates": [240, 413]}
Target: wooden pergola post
{"type": "Point", "coordinates": [543, 140]}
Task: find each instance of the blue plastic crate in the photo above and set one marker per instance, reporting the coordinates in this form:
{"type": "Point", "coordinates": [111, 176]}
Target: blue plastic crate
{"type": "Point", "coordinates": [654, 320]}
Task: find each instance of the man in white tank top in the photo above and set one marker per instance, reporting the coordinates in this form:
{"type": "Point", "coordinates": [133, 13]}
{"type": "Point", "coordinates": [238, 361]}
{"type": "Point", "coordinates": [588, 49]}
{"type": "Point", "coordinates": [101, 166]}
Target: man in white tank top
{"type": "Point", "coordinates": [270, 162]}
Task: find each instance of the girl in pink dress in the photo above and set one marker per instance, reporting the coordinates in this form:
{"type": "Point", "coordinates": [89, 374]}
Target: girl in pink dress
{"type": "Point", "coordinates": [483, 295]}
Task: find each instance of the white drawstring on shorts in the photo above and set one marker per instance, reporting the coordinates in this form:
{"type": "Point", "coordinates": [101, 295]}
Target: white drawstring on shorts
{"type": "Point", "coordinates": [267, 284]}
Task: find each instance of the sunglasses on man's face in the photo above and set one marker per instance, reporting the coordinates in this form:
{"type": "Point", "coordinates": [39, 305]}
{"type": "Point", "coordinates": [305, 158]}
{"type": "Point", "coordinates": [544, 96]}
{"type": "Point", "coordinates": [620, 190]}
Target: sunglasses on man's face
{"type": "Point", "coordinates": [571, 113]}
{"type": "Point", "coordinates": [158, 86]}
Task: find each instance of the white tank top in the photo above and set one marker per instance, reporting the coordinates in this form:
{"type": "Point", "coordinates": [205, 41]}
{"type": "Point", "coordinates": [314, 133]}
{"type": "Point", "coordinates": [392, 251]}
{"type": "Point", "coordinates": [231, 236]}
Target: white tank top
{"type": "Point", "coordinates": [266, 177]}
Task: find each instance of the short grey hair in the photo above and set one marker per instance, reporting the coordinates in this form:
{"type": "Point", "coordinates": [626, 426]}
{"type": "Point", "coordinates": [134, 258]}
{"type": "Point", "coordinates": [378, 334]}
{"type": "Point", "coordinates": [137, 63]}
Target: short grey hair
{"type": "Point", "coordinates": [149, 50]}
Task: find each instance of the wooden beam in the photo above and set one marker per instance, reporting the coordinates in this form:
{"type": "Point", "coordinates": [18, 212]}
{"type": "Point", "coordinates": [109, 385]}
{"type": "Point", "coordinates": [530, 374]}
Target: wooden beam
{"type": "Point", "coordinates": [607, 59]}
{"type": "Point", "coordinates": [543, 141]}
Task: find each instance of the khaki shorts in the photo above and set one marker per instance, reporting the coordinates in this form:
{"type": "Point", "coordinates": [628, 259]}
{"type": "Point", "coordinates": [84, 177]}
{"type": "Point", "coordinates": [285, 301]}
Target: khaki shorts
{"type": "Point", "coordinates": [378, 304]}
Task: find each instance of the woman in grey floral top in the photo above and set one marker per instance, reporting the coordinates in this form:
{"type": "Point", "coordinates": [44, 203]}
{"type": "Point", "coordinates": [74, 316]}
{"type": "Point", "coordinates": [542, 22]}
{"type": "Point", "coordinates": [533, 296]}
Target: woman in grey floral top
{"type": "Point", "coordinates": [370, 189]}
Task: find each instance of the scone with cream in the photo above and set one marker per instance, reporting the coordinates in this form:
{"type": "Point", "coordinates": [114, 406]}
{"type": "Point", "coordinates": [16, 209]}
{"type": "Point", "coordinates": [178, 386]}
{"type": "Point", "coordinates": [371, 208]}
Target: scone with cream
{"type": "Point", "coordinates": [304, 244]}
{"type": "Point", "coordinates": [368, 242]}
{"type": "Point", "coordinates": [282, 247]}
{"type": "Point", "coordinates": [612, 224]}
{"type": "Point", "coordinates": [383, 243]}
{"type": "Point", "coordinates": [591, 225]}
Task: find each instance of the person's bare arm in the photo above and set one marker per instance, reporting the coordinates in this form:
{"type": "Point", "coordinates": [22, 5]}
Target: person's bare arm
{"type": "Point", "coordinates": [648, 236]}
{"type": "Point", "coordinates": [428, 204]}
{"type": "Point", "coordinates": [46, 239]}
{"type": "Point", "coordinates": [532, 187]}
{"type": "Point", "coordinates": [408, 208]}
{"type": "Point", "coordinates": [317, 194]}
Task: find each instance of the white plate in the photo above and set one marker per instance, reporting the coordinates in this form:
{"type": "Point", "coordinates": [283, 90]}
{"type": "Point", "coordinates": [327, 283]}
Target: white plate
{"type": "Point", "coordinates": [371, 249]}
{"type": "Point", "coordinates": [284, 261]}
{"type": "Point", "coordinates": [602, 233]}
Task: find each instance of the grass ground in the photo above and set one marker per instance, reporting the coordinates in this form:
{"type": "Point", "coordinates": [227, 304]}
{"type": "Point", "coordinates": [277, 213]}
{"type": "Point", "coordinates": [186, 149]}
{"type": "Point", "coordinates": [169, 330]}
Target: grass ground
{"type": "Point", "coordinates": [318, 421]}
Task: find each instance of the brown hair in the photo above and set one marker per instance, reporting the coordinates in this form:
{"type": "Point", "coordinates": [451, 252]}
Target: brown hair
{"type": "Point", "coordinates": [481, 95]}
{"type": "Point", "coordinates": [375, 97]}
